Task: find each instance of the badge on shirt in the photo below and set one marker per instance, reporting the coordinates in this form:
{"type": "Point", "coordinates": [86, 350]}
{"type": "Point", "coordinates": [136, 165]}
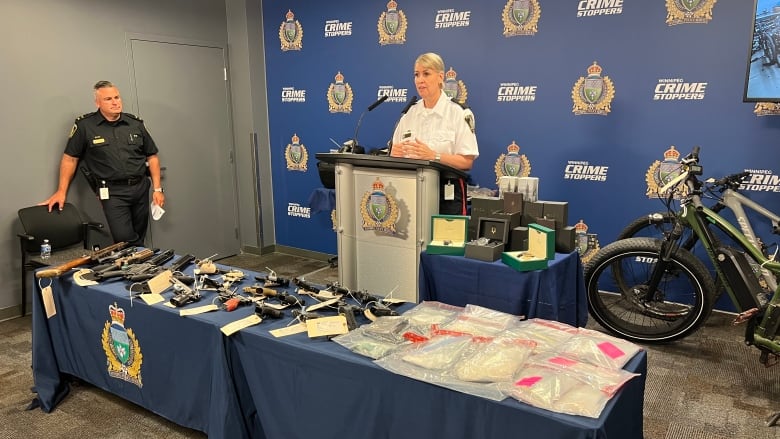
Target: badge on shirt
{"type": "Point", "coordinates": [98, 140]}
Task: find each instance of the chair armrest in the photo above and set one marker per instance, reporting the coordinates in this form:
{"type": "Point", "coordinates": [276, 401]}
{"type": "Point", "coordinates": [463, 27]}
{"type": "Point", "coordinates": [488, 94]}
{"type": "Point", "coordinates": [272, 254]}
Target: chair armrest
{"type": "Point", "coordinates": [25, 236]}
{"type": "Point", "coordinates": [93, 225]}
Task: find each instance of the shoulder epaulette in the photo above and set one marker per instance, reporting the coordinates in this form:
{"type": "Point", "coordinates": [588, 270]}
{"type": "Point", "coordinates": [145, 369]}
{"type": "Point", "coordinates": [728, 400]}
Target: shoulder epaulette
{"type": "Point", "coordinates": [84, 116]}
{"type": "Point", "coordinates": [462, 104]}
{"type": "Point", "coordinates": [133, 116]}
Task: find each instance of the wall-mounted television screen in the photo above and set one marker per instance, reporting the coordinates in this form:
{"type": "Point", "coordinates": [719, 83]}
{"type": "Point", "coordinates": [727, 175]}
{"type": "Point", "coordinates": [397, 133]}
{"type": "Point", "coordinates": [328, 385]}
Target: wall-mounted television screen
{"type": "Point", "coordinates": [762, 81]}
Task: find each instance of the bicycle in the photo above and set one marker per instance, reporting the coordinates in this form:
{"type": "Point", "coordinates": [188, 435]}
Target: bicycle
{"type": "Point", "coordinates": [654, 290]}
{"type": "Point", "coordinates": [726, 193]}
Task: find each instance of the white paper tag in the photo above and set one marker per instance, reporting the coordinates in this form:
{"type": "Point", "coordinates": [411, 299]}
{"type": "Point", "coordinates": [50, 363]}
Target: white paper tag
{"type": "Point", "coordinates": [289, 330]}
{"type": "Point", "coordinates": [233, 327]}
{"type": "Point", "coordinates": [449, 191]}
{"type": "Point", "coordinates": [48, 302]}
{"type": "Point", "coordinates": [103, 193]}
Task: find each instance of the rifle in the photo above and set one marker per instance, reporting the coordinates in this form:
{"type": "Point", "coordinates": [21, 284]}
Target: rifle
{"type": "Point", "coordinates": [124, 266]}
{"type": "Point", "coordinates": [94, 256]}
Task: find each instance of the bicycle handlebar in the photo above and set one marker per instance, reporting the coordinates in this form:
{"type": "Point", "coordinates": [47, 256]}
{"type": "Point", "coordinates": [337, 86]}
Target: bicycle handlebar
{"type": "Point", "coordinates": [730, 181]}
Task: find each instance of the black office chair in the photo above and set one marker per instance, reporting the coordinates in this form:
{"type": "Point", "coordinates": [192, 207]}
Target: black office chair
{"type": "Point", "coordinates": [66, 231]}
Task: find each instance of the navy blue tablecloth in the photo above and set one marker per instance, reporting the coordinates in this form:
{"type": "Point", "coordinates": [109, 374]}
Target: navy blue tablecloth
{"type": "Point", "coordinates": [254, 385]}
{"type": "Point", "coordinates": [556, 293]}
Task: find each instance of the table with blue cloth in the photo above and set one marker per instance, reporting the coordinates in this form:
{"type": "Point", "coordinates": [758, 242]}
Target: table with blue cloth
{"type": "Point", "coordinates": [556, 293]}
{"type": "Point", "coordinates": [254, 385]}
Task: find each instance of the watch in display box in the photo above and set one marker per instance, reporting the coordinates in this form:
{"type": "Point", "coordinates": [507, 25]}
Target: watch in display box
{"type": "Point", "coordinates": [448, 235]}
{"type": "Point", "coordinates": [541, 248]}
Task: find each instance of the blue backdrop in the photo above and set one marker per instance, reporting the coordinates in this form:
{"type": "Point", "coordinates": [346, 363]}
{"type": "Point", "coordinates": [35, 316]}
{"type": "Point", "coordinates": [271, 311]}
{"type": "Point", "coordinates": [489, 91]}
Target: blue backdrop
{"type": "Point", "coordinates": [593, 92]}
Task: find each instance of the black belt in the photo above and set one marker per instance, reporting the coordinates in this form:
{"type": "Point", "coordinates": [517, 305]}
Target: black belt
{"type": "Point", "coordinates": [129, 181]}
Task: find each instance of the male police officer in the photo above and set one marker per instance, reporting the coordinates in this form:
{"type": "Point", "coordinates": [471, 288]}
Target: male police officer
{"type": "Point", "coordinates": [116, 153]}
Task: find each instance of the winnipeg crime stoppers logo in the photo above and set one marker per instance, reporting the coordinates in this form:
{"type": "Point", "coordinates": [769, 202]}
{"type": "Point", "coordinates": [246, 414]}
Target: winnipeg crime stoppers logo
{"type": "Point", "coordinates": [521, 17]}
{"type": "Point", "coordinates": [761, 180]}
{"type": "Point", "coordinates": [290, 94]}
{"type": "Point", "coordinates": [291, 33]}
{"type": "Point", "coordinates": [393, 94]}
{"type": "Point", "coordinates": [661, 173]}
{"type": "Point", "coordinates": [296, 155]}
{"type": "Point", "coordinates": [123, 353]}
{"type": "Point", "coordinates": [590, 8]}
{"type": "Point", "coordinates": [587, 243]}
{"type": "Point", "coordinates": [379, 209]}
{"type": "Point", "coordinates": [578, 170]}
{"type": "Point", "coordinates": [514, 92]}
{"type": "Point", "coordinates": [392, 25]}
{"type": "Point", "coordinates": [512, 164]}
{"type": "Point", "coordinates": [340, 96]}
{"type": "Point", "coordinates": [593, 94]}
{"type": "Point", "coordinates": [296, 210]}
{"type": "Point", "coordinates": [335, 28]}
{"type": "Point", "coordinates": [688, 11]}
{"type": "Point", "coordinates": [446, 18]}
{"type": "Point", "coordinates": [454, 88]}
{"type": "Point", "coordinates": [767, 109]}
{"type": "Point", "coordinates": [676, 89]}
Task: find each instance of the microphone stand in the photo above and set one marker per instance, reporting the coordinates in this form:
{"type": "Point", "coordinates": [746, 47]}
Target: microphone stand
{"type": "Point", "coordinates": [352, 145]}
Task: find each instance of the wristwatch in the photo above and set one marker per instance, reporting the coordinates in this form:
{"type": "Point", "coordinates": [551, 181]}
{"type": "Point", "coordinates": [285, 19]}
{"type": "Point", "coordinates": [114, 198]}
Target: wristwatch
{"type": "Point", "coordinates": [437, 158]}
{"type": "Point", "coordinates": [160, 190]}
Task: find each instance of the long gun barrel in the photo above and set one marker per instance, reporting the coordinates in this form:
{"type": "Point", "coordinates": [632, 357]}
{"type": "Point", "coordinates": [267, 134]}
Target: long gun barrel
{"type": "Point", "coordinates": [94, 256]}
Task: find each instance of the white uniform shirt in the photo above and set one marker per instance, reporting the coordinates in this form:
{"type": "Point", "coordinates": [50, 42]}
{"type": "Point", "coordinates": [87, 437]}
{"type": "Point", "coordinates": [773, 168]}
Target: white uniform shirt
{"type": "Point", "coordinates": [443, 128]}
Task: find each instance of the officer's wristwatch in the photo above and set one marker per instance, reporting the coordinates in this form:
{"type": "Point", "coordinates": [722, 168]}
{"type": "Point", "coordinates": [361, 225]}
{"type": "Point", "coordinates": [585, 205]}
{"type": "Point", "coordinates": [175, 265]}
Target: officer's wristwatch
{"type": "Point", "coordinates": [438, 157]}
{"type": "Point", "coordinates": [160, 190]}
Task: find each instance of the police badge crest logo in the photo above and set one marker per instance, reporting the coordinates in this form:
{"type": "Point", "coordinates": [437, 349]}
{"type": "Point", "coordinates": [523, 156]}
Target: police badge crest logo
{"type": "Point", "coordinates": [296, 155]}
{"type": "Point", "coordinates": [340, 96]}
{"type": "Point", "coordinates": [688, 11]}
{"type": "Point", "coordinates": [455, 88]}
{"type": "Point", "coordinates": [593, 94]}
{"type": "Point", "coordinates": [512, 164]}
{"type": "Point", "coordinates": [123, 353]}
{"type": "Point", "coordinates": [766, 109]}
{"type": "Point", "coordinates": [661, 173]}
{"type": "Point", "coordinates": [379, 209]}
{"type": "Point", "coordinates": [291, 33]}
{"type": "Point", "coordinates": [521, 17]}
{"type": "Point", "coordinates": [392, 25]}
{"type": "Point", "coordinates": [587, 244]}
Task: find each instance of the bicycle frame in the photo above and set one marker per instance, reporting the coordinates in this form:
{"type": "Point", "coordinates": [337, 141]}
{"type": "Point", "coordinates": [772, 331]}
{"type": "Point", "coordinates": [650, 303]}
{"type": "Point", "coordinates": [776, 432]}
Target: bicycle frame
{"type": "Point", "coordinates": [735, 201]}
{"type": "Point", "coordinates": [699, 217]}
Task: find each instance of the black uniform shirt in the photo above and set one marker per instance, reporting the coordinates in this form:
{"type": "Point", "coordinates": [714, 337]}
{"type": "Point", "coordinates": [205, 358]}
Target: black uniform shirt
{"type": "Point", "coordinates": [111, 150]}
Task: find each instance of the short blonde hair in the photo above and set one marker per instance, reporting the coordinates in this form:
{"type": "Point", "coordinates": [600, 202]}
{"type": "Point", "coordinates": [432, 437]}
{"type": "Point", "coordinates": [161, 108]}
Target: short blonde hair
{"type": "Point", "coordinates": [431, 60]}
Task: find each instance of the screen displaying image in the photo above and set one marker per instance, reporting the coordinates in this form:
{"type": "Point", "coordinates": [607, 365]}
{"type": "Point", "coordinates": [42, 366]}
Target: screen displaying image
{"type": "Point", "coordinates": [762, 82]}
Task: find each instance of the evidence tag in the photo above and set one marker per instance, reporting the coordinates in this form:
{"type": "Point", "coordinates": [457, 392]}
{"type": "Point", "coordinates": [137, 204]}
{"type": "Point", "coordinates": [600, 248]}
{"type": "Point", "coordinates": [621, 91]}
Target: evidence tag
{"type": "Point", "coordinates": [449, 191]}
{"type": "Point", "coordinates": [103, 191]}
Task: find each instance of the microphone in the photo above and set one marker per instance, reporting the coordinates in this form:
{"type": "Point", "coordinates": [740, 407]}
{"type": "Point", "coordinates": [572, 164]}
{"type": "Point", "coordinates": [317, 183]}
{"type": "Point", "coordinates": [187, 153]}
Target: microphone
{"type": "Point", "coordinates": [412, 101]}
{"type": "Point", "coordinates": [353, 146]}
{"type": "Point", "coordinates": [409, 104]}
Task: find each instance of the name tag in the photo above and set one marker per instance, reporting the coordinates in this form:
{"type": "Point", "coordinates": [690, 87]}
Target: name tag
{"type": "Point", "coordinates": [98, 141]}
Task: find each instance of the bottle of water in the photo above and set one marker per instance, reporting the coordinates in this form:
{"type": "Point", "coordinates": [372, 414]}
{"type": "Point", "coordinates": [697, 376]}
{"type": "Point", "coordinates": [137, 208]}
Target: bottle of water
{"type": "Point", "coordinates": [45, 249]}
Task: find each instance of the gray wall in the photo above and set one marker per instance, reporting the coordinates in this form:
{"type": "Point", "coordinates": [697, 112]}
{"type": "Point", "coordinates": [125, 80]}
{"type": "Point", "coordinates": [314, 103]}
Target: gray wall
{"type": "Point", "coordinates": [52, 51]}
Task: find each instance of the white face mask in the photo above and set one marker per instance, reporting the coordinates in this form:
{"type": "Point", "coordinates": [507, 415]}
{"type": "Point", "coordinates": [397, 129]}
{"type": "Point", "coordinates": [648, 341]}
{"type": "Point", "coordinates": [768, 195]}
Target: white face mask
{"type": "Point", "coordinates": [157, 211]}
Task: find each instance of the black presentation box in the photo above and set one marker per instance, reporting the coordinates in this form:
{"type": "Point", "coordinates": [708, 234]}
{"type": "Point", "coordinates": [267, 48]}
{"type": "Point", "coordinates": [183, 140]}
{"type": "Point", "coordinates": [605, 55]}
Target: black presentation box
{"type": "Point", "coordinates": [497, 231]}
{"type": "Point", "coordinates": [513, 202]}
{"type": "Point", "coordinates": [566, 239]}
{"type": "Point", "coordinates": [557, 210]}
{"type": "Point", "coordinates": [518, 239]}
{"type": "Point", "coordinates": [531, 211]}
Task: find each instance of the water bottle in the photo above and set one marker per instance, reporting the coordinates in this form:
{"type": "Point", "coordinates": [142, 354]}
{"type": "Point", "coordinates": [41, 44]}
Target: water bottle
{"type": "Point", "coordinates": [45, 249]}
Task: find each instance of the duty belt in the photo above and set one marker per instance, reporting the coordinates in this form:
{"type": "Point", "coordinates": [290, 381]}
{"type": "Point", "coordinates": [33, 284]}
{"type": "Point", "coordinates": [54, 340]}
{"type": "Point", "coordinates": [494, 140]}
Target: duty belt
{"type": "Point", "coordinates": [129, 181]}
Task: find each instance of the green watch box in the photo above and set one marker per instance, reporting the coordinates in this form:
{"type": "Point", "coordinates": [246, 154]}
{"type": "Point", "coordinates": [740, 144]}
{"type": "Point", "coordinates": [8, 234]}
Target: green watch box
{"type": "Point", "coordinates": [448, 235]}
{"type": "Point", "coordinates": [541, 248]}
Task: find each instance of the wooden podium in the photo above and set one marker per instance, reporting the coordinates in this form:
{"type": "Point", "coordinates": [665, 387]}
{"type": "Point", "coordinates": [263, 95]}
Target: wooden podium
{"type": "Point", "coordinates": [383, 219]}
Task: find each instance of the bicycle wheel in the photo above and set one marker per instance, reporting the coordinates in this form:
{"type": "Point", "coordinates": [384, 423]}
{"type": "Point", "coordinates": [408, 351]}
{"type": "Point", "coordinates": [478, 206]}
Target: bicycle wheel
{"type": "Point", "coordinates": [653, 225]}
{"type": "Point", "coordinates": [616, 281]}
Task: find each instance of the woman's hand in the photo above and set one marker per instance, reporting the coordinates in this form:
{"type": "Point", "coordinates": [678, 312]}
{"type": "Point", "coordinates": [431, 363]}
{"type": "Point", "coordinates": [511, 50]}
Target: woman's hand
{"type": "Point", "coordinates": [413, 149]}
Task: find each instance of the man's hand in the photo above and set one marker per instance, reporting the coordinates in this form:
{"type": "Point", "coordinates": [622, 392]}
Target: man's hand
{"type": "Point", "coordinates": [56, 199]}
{"type": "Point", "coordinates": [158, 198]}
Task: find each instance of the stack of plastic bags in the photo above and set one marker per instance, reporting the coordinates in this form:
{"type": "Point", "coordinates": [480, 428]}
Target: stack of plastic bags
{"type": "Point", "coordinates": [494, 355]}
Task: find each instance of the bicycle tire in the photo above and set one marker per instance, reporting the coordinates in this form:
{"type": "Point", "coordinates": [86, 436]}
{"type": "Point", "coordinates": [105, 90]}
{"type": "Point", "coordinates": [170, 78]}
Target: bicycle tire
{"type": "Point", "coordinates": [682, 303]}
